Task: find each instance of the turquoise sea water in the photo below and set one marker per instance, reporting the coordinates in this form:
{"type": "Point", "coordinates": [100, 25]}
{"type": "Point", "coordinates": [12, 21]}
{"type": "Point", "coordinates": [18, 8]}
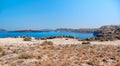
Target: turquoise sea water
{"type": "Point", "coordinates": [45, 34]}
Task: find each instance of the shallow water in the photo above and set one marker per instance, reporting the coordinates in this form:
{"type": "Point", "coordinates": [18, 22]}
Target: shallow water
{"type": "Point", "coordinates": [45, 34]}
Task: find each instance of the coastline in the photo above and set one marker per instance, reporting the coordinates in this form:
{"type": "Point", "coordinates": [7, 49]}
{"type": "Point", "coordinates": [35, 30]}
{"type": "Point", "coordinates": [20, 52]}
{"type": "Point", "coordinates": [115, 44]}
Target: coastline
{"type": "Point", "coordinates": [56, 41]}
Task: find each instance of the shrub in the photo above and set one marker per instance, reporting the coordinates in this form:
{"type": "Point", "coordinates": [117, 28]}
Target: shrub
{"type": "Point", "coordinates": [15, 51]}
{"type": "Point", "coordinates": [85, 42]}
{"type": "Point", "coordinates": [1, 49]}
{"type": "Point", "coordinates": [111, 38]}
{"type": "Point", "coordinates": [2, 52]}
{"type": "Point", "coordinates": [59, 36]}
{"type": "Point", "coordinates": [13, 64]}
{"type": "Point", "coordinates": [16, 63]}
{"type": "Point", "coordinates": [27, 39]}
{"type": "Point", "coordinates": [25, 55]}
{"type": "Point", "coordinates": [46, 43]}
{"type": "Point", "coordinates": [117, 37]}
{"type": "Point", "coordinates": [44, 38]}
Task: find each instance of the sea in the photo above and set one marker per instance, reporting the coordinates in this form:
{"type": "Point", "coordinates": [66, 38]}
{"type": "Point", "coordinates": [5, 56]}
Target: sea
{"type": "Point", "coordinates": [46, 34]}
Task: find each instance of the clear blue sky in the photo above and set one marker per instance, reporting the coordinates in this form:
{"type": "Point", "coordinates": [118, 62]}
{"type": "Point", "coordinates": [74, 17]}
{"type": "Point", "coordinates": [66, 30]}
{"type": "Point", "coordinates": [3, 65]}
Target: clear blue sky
{"type": "Point", "coordinates": [51, 14]}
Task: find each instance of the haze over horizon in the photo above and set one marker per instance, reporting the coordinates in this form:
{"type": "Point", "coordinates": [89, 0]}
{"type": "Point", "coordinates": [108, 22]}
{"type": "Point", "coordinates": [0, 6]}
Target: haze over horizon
{"type": "Point", "coordinates": [52, 14]}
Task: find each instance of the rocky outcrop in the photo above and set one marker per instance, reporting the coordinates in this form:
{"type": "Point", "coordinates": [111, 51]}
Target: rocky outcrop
{"type": "Point", "coordinates": [108, 32]}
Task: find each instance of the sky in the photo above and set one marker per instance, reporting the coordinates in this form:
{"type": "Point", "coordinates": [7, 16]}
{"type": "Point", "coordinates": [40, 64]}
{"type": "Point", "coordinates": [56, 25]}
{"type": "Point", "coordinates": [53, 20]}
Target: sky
{"type": "Point", "coordinates": [52, 14]}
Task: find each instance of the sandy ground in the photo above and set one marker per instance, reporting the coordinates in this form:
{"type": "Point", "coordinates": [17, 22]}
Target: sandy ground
{"type": "Point", "coordinates": [62, 52]}
{"type": "Point", "coordinates": [19, 41]}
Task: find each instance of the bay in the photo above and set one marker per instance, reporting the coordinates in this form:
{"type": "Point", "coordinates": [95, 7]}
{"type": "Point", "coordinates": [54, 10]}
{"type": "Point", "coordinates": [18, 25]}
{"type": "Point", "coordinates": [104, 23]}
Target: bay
{"type": "Point", "coordinates": [45, 34]}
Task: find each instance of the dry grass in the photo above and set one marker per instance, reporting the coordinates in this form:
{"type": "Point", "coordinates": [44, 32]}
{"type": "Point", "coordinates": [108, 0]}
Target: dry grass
{"type": "Point", "coordinates": [49, 54]}
{"type": "Point", "coordinates": [1, 48]}
{"type": "Point", "coordinates": [27, 39]}
{"type": "Point", "coordinates": [25, 55]}
{"type": "Point", "coordinates": [2, 52]}
{"type": "Point", "coordinates": [46, 43]}
{"type": "Point", "coordinates": [117, 64]}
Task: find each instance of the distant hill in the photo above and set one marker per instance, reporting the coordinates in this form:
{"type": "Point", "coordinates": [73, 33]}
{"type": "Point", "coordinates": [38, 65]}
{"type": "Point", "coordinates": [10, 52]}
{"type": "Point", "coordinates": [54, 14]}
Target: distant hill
{"type": "Point", "coordinates": [43, 30]}
{"type": "Point", "coordinates": [2, 30]}
{"type": "Point", "coordinates": [81, 30]}
{"type": "Point", "coordinates": [103, 29]}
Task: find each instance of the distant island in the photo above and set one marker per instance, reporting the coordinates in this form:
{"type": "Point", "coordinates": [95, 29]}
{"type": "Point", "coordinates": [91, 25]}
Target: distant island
{"type": "Point", "coordinates": [2, 30]}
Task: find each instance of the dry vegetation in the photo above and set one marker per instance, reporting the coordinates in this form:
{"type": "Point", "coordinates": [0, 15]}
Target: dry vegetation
{"type": "Point", "coordinates": [49, 54]}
